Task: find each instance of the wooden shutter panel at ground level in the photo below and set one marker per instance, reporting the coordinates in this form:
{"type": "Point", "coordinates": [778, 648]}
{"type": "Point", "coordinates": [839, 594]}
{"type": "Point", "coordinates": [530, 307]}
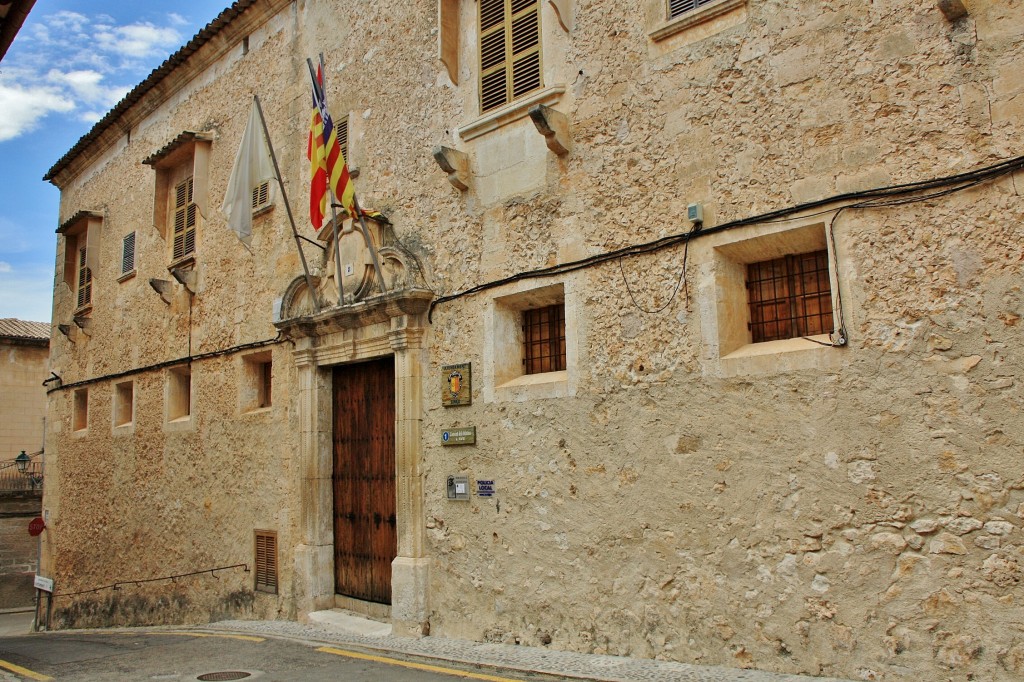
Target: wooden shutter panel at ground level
{"type": "Point", "coordinates": [266, 561]}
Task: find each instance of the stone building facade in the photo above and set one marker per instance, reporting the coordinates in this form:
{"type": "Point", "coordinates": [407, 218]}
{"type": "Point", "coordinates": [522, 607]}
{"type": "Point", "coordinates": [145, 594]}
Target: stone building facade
{"type": "Point", "coordinates": [733, 289]}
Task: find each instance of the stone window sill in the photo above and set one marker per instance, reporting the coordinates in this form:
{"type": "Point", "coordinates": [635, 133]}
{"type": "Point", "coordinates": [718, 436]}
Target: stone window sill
{"type": "Point", "coordinates": [774, 357]}
{"type": "Point", "coordinates": [697, 16]}
{"type": "Point", "coordinates": [127, 276]}
{"type": "Point", "coordinates": [534, 387]}
{"type": "Point", "coordinates": [512, 111]}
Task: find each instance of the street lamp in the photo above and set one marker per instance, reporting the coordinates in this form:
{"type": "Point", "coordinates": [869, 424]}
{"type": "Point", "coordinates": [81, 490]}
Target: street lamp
{"type": "Point", "coordinates": [22, 461]}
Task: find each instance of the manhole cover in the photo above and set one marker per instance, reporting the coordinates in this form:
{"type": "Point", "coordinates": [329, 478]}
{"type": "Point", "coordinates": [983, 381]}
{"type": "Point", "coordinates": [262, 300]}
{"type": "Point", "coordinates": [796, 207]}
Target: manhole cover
{"type": "Point", "coordinates": [224, 676]}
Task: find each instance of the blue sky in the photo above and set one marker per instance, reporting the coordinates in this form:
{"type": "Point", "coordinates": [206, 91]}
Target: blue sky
{"type": "Point", "coordinates": [70, 64]}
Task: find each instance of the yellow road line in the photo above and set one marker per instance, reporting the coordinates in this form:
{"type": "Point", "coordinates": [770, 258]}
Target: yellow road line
{"type": "Point", "coordinates": [416, 666]}
{"type": "Point", "coordinates": [244, 638]}
{"type": "Point", "coordinates": [24, 672]}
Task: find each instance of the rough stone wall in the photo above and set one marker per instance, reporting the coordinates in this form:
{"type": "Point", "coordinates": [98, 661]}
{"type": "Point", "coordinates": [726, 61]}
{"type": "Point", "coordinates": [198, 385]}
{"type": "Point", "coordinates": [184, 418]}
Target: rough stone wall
{"type": "Point", "coordinates": [159, 497]}
{"type": "Point", "coordinates": [19, 551]}
{"type": "Point", "coordinates": [858, 516]}
{"type": "Point", "coordinates": [22, 398]}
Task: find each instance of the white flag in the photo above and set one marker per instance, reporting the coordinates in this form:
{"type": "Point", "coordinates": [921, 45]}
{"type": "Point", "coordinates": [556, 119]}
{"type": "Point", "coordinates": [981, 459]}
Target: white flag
{"type": "Point", "coordinates": [252, 167]}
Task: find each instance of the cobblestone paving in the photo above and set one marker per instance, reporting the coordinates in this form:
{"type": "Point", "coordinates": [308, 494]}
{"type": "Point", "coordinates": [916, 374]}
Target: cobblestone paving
{"type": "Point", "coordinates": [520, 658]}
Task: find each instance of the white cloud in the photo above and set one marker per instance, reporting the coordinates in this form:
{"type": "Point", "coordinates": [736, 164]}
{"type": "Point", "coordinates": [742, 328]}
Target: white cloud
{"type": "Point", "coordinates": [88, 86]}
{"type": "Point", "coordinates": [24, 107]}
{"type": "Point", "coordinates": [5, 267]}
{"type": "Point", "coordinates": [138, 40]}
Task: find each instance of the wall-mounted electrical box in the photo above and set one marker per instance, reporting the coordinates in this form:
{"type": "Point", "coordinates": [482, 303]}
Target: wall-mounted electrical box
{"type": "Point", "coordinates": [695, 213]}
{"type": "Point", "coordinates": [457, 488]}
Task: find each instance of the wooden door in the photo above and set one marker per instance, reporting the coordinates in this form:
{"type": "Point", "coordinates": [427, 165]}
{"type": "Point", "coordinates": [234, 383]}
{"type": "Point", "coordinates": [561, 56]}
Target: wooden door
{"type": "Point", "coordinates": [365, 538]}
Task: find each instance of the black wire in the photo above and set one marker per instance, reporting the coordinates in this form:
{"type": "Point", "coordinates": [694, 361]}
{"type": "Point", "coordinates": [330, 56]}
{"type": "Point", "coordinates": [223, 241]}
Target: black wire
{"type": "Point", "coordinates": [683, 281]}
{"type": "Point", "coordinates": [171, 363]}
{"type": "Point", "coordinates": [893, 195]}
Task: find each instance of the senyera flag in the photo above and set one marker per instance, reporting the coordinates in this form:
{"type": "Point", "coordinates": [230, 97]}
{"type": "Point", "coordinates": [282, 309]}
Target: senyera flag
{"type": "Point", "coordinates": [326, 162]}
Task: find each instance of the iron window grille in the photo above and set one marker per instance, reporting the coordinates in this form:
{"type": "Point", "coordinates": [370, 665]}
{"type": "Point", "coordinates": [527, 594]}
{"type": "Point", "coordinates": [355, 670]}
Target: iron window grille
{"type": "Point", "coordinates": [544, 339]}
{"type": "Point", "coordinates": [790, 297]}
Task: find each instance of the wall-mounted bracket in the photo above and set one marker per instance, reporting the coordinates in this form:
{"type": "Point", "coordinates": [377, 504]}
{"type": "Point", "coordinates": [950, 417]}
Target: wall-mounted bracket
{"type": "Point", "coordinates": [554, 126]}
{"type": "Point", "coordinates": [83, 323]}
{"type": "Point", "coordinates": [455, 164]}
{"type": "Point", "coordinates": [186, 277]}
{"type": "Point", "coordinates": [162, 287]}
{"type": "Point", "coordinates": [953, 10]}
{"type": "Point", "coordinates": [65, 329]}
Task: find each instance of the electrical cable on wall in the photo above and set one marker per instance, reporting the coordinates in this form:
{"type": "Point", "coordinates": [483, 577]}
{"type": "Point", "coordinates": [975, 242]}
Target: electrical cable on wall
{"type": "Point", "coordinates": [170, 363]}
{"type": "Point", "coordinates": [893, 195]}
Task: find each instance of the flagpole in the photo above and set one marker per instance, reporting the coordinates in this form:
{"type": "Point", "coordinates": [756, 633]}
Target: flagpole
{"type": "Point", "coordinates": [288, 208]}
{"type": "Point", "coordinates": [330, 190]}
{"type": "Point", "coordinates": [369, 244]}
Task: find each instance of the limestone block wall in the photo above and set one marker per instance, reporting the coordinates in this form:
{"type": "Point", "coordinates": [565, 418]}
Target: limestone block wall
{"type": "Point", "coordinates": [162, 496]}
{"type": "Point", "coordinates": [19, 551]}
{"type": "Point", "coordinates": [22, 397]}
{"type": "Point", "coordinates": [851, 511]}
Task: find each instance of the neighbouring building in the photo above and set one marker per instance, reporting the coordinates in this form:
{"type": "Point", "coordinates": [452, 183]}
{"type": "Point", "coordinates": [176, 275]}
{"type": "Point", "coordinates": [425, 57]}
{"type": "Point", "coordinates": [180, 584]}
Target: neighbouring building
{"type": "Point", "coordinates": [695, 335]}
{"type": "Point", "coordinates": [24, 351]}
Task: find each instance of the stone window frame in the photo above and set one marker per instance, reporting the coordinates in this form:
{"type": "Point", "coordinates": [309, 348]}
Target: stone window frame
{"type": "Point", "coordinates": [82, 233]}
{"type": "Point", "coordinates": [505, 378]}
{"type": "Point", "coordinates": [179, 398]}
{"type": "Point", "coordinates": [187, 156]}
{"type": "Point", "coordinates": [713, 17]}
{"type": "Point", "coordinates": [725, 311]}
{"type": "Point", "coordinates": [252, 398]}
{"type": "Point", "coordinates": [458, 44]}
{"type": "Point", "coordinates": [80, 410]}
{"type": "Point", "coordinates": [129, 252]}
{"type": "Point", "coordinates": [120, 408]}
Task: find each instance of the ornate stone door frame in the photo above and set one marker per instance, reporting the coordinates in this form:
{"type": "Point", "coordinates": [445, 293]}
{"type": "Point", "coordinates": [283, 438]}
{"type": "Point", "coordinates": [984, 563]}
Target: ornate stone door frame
{"type": "Point", "coordinates": [392, 324]}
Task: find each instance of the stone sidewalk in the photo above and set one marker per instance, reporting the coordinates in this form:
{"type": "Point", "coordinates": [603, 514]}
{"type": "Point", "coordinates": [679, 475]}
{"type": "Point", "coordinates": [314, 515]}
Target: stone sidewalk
{"type": "Point", "coordinates": [340, 629]}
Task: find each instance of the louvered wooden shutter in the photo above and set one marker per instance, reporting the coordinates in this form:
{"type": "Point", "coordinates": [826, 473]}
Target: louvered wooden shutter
{"type": "Point", "coordinates": [266, 561]}
{"type": "Point", "coordinates": [342, 128]}
{"type": "Point", "coordinates": [84, 279]}
{"type": "Point", "coordinates": [128, 253]}
{"type": "Point", "coordinates": [510, 64]}
{"type": "Point", "coordinates": [184, 221]}
{"type": "Point", "coordinates": [260, 195]}
{"type": "Point", "coordinates": [678, 7]}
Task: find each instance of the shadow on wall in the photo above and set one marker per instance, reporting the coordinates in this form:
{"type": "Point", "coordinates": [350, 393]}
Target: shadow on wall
{"type": "Point", "coordinates": [137, 610]}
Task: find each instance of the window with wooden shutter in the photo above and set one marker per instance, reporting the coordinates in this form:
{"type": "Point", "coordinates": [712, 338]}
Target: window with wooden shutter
{"type": "Point", "coordinates": [544, 339]}
{"type": "Point", "coordinates": [128, 253]}
{"type": "Point", "coordinates": [84, 279]}
{"type": "Point", "coordinates": [510, 55]}
{"type": "Point", "coordinates": [266, 561]}
{"type": "Point", "coordinates": [679, 7]}
{"type": "Point", "coordinates": [342, 127]}
{"type": "Point", "coordinates": [261, 196]}
{"type": "Point", "coordinates": [184, 220]}
{"type": "Point", "coordinates": [790, 297]}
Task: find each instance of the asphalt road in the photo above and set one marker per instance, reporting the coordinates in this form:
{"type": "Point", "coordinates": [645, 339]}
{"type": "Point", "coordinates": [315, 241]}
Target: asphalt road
{"type": "Point", "coordinates": [125, 656]}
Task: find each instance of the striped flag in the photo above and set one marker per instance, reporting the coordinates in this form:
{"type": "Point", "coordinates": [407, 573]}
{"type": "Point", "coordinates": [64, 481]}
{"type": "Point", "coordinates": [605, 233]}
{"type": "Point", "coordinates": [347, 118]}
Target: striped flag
{"type": "Point", "coordinates": [326, 162]}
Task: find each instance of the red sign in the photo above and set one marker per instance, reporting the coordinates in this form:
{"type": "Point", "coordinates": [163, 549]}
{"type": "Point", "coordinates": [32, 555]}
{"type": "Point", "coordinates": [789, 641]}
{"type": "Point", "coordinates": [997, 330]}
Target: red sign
{"type": "Point", "coordinates": [36, 526]}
